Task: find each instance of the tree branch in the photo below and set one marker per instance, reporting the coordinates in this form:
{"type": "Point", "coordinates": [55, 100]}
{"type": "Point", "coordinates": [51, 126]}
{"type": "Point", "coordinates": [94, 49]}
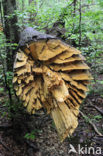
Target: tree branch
{"type": "Point", "coordinates": [91, 123]}
{"type": "Point", "coordinates": [97, 108]}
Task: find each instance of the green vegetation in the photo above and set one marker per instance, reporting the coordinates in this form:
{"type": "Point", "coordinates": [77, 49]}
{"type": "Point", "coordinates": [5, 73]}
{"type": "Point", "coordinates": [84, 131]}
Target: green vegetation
{"type": "Point", "coordinates": [79, 23]}
{"type": "Point", "coordinates": [30, 136]}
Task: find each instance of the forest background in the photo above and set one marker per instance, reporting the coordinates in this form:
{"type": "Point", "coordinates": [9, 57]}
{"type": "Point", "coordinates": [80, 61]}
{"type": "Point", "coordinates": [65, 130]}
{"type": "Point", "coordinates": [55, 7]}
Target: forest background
{"type": "Point", "coordinates": [78, 23]}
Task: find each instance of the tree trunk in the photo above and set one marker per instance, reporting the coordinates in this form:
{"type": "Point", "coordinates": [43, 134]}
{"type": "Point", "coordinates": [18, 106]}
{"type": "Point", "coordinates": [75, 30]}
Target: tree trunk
{"type": "Point", "coordinates": [80, 18]}
{"type": "Point", "coordinates": [30, 1]}
{"type": "Point", "coordinates": [74, 5]}
{"type": "Point", "coordinates": [10, 28]}
{"type": "Point", "coordinates": [23, 7]}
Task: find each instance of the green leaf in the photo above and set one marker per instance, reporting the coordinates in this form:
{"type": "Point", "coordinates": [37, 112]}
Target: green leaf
{"type": "Point", "coordinates": [30, 135]}
{"type": "Point", "coordinates": [1, 89]}
{"type": "Point", "coordinates": [98, 117]}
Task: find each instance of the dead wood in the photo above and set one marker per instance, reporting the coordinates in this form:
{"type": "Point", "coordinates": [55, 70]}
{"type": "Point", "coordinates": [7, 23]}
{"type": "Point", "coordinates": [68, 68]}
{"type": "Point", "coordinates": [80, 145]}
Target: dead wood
{"type": "Point", "coordinates": [29, 35]}
{"type": "Point", "coordinates": [97, 108]}
{"type": "Point", "coordinates": [91, 123]}
{"type": "Point", "coordinates": [5, 146]}
{"type": "Point", "coordinates": [53, 75]}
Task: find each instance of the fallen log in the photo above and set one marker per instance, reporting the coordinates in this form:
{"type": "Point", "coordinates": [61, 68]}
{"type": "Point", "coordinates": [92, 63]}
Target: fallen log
{"type": "Point", "coordinates": [51, 74]}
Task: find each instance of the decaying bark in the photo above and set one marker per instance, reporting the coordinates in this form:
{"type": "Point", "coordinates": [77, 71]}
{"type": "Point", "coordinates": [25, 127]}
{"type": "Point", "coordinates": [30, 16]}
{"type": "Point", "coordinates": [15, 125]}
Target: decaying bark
{"type": "Point", "coordinates": [49, 73]}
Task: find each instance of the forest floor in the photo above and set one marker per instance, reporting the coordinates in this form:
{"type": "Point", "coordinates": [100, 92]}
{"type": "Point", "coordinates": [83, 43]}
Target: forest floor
{"type": "Point", "coordinates": [44, 140]}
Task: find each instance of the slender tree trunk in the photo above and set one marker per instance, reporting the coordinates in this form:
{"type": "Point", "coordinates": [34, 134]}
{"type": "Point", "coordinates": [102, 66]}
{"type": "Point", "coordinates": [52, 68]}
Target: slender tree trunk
{"type": "Point", "coordinates": [80, 19]}
{"type": "Point", "coordinates": [23, 4]}
{"type": "Point", "coordinates": [11, 34]}
{"type": "Point", "coordinates": [10, 28]}
{"type": "Point", "coordinates": [30, 16]}
{"type": "Point", "coordinates": [30, 1]}
{"type": "Point", "coordinates": [1, 13]}
{"type": "Point", "coordinates": [2, 59]}
{"type": "Point", "coordinates": [74, 5]}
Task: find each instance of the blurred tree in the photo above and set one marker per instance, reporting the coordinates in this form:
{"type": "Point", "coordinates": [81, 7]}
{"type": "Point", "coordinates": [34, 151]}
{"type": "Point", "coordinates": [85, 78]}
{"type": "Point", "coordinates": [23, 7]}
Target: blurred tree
{"type": "Point", "coordinates": [30, 1]}
{"type": "Point", "coordinates": [10, 28]}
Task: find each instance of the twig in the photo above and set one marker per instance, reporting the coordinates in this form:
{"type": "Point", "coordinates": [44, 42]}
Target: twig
{"type": "Point", "coordinates": [5, 146]}
{"type": "Point", "coordinates": [91, 123]}
{"type": "Point", "coordinates": [97, 108]}
{"type": "Point", "coordinates": [32, 145]}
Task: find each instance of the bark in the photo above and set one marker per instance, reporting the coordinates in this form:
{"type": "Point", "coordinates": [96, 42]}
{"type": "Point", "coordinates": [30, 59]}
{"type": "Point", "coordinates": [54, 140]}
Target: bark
{"type": "Point", "coordinates": [29, 34]}
{"type": "Point", "coordinates": [75, 1]}
{"type": "Point", "coordinates": [1, 15]}
{"type": "Point", "coordinates": [23, 7]}
{"type": "Point", "coordinates": [74, 5]}
{"type": "Point", "coordinates": [80, 18]}
{"type": "Point", "coordinates": [10, 28]}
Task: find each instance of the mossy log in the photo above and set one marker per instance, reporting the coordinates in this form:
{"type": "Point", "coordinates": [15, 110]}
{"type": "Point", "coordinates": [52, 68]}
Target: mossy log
{"type": "Point", "coordinates": [51, 74]}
